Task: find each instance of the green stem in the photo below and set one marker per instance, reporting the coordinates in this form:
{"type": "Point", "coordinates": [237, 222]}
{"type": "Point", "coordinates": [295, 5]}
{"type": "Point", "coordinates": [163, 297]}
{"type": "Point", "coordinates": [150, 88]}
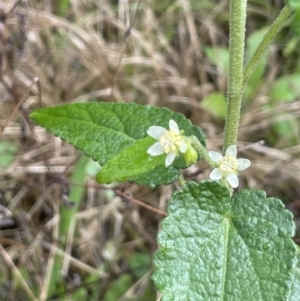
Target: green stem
{"type": "Point", "coordinates": [202, 151]}
{"type": "Point", "coordinates": [235, 81]}
{"type": "Point", "coordinates": [181, 181]}
{"type": "Point", "coordinates": [264, 45]}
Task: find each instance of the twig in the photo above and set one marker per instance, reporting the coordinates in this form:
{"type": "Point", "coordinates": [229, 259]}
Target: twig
{"type": "Point", "coordinates": [35, 80]}
{"type": "Point", "coordinates": [153, 209]}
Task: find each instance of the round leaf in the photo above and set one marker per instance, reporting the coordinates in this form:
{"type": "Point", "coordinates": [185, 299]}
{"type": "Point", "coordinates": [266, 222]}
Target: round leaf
{"type": "Point", "coordinates": [213, 247]}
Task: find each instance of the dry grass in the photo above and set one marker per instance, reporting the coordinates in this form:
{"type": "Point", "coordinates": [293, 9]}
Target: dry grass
{"type": "Point", "coordinates": [142, 51]}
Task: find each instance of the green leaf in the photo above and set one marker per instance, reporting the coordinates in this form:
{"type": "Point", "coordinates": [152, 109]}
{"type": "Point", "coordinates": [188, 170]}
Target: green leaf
{"type": "Point", "coordinates": [213, 247]}
{"type": "Point", "coordinates": [117, 288]}
{"type": "Point", "coordinates": [252, 43]}
{"type": "Point", "coordinates": [132, 162]}
{"type": "Point", "coordinates": [287, 128]}
{"type": "Point", "coordinates": [219, 56]}
{"type": "Point", "coordinates": [7, 153]}
{"type": "Point", "coordinates": [290, 47]}
{"type": "Point", "coordinates": [215, 103]}
{"type": "Point", "coordinates": [157, 176]}
{"type": "Point", "coordinates": [294, 4]}
{"type": "Point", "coordinates": [62, 7]}
{"type": "Point", "coordinates": [295, 24]}
{"type": "Point", "coordinates": [56, 283]}
{"type": "Point", "coordinates": [140, 264]}
{"type": "Point", "coordinates": [286, 88]}
{"type": "Point", "coordinates": [105, 130]}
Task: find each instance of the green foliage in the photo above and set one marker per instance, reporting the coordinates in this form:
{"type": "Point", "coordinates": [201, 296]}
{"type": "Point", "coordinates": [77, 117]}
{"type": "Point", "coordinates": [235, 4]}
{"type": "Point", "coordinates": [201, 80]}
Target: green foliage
{"type": "Point", "coordinates": [291, 47]}
{"type": "Point", "coordinates": [80, 294]}
{"type": "Point", "coordinates": [285, 89]}
{"type": "Point", "coordinates": [139, 263]}
{"type": "Point", "coordinates": [295, 24]}
{"type": "Point", "coordinates": [215, 103]}
{"type": "Point", "coordinates": [132, 286]}
{"type": "Point", "coordinates": [117, 288]}
{"type": "Point", "coordinates": [62, 7]}
{"type": "Point", "coordinates": [115, 135]}
{"type": "Point", "coordinates": [213, 247]}
{"type": "Point", "coordinates": [56, 284]}
{"type": "Point", "coordinates": [294, 4]}
{"type": "Point", "coordinates": [25, 274]}
{"type": "Point", "coordinates": [7, 153]}
{"type": "Point", "coordinates": [219, 56]}
{"type": "Point", "coordinates": [133, 161]}
{"type": "Point", "coordinates": [255, 79]}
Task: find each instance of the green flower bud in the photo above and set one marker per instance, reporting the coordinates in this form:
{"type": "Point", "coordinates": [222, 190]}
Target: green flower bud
{"type": "Point", "coordinates": [191, 155]}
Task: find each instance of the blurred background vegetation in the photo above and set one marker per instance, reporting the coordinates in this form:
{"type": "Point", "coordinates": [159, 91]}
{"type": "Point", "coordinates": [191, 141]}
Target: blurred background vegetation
{"type": "Point", "coordinates": [63, 236]}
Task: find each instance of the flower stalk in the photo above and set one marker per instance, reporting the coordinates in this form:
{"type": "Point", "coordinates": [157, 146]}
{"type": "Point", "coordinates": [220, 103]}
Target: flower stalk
{"type": "Point", "coordinates": [202, 151]}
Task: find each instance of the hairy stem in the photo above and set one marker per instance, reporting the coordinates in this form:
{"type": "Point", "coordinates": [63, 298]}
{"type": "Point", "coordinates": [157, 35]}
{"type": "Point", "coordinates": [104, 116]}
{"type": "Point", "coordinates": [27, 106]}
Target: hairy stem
{"type": "Point", "coordinates": [202, 151]}
{"type": "Point", "coordinates": [236, 58]}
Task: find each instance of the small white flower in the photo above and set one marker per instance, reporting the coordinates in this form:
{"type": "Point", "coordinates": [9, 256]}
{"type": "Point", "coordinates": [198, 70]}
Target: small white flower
{"type": "Point", "coordinates": [228, 166]}
{"type": "Point", "coordinates": [169, 142]}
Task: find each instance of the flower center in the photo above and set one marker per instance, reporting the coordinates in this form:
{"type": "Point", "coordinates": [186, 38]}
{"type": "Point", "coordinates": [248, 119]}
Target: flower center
{"type": "Point", "coordinates": [170, 142]}
{"type": "Point", "coordinates": [228, 165]}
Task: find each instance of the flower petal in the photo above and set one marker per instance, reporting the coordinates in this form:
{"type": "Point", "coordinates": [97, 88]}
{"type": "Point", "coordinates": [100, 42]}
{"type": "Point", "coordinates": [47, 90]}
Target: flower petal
{"type": "Point", "coordinates": [231, 151]}
{"type": "Point", "coordinates": [216, 157]}
{"type": "Point", "coordinates": [216, 174]}
{"type": "Point", "coordinates": [170, 158]}
{"type": "Point", "coordinates": [243, 164]}
{"type": "Point", "coordinates": [155, 150]}
{"type": "Point", "coordinates": [233, 180]}
{"type": "Point", "coordinates": [156, 131]}
{"type": "Point", "coordinates": [173, 126]}
{"type": "Point", "coordinates": [183, 146]}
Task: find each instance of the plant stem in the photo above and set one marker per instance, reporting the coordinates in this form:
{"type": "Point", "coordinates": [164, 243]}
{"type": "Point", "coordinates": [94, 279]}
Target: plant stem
{"type": "Point", "coordinates": [235, 80]}
{"type": "Point", "coordinates": [181, 181]}
{"type": "Point", "coordinates": [202, 151]}
{"type": "Point", "coordinates": [268, 38]}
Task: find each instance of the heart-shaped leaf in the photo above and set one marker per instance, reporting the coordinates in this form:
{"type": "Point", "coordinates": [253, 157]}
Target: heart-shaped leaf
{"type": "Point", "coordinates": [213, 247]}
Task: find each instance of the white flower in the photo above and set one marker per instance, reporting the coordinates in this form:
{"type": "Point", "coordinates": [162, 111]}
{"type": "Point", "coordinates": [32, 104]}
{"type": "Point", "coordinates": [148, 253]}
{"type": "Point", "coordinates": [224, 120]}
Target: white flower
{"type": "Point", "coordinates": [169, 142]}
{"type": "Point", "coordinates": [228, 166]}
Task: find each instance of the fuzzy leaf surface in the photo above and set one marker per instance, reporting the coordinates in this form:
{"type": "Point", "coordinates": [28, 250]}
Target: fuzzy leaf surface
{"type": "Point", "coordinates": [295, 294]}
{"type": "Point", "coordinates": [126, 165]}
{"type": "Point", "coordinates": [213, 247]}
{"type": "Point", "coordinates": [104, 130]}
